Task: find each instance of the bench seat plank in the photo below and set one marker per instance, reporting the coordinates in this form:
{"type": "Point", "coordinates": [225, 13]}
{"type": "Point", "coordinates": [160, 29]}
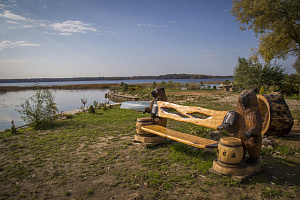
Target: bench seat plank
{"type": "Point", "coordinates": [180, 137]}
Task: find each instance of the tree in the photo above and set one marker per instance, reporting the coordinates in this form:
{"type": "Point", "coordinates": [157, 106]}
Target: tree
{"type": "Point", "coordinates": [201, 85]}
{"type": "Point", "coordinates": [275, 22]}
{"type": "Point", "coordinates": [39, 110]}
{"type": "Point", "coordinates": [124, 87]}
{"type": "Point", "coordinates": [154, 85]}
{"type": "Point", "coordinates": [163, 84]}
{"type": "Point", "coordinates": [249, 74]}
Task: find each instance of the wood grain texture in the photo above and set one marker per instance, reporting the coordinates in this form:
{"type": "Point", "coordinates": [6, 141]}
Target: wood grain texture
{"type": "Point", "coordinates": [277, 118]}
{"type": "Point", "coordinates": [242, 170]}
{"type": "Point", "coordinates": [180, 137]}
{"type": "Point", "coordinates": [213, 120]}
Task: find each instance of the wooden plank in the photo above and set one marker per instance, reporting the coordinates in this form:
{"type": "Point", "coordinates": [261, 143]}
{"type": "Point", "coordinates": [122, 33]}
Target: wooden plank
{"type": "Point", "coordinates": [213, 120]}
{"type": "Point", "coordinates": [180, 137]}
{"type": "Point", "coordinates": [147, 139]}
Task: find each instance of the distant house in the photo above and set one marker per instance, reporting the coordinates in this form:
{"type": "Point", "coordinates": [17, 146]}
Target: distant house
{"type": "Point", "coordinates": [229, 87]}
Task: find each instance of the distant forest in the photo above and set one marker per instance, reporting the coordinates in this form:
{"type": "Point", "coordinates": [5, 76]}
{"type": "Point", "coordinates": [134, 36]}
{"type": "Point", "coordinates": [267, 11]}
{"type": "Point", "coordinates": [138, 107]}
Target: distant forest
{"type": "Point", "coordinates": [167, 76]}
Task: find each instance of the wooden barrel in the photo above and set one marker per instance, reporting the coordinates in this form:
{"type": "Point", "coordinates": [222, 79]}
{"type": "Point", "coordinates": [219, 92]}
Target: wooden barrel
{"type": "Point", "coordinates": [142, 122]}
{"type": "Point", "coordinates": [230, 151]}
{"type": "Point", "coordinates": [277, 118]}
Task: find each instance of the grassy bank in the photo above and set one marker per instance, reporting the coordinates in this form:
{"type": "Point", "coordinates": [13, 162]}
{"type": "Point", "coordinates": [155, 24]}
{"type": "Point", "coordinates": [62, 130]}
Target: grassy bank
{"type": "Point", "coordinates": [92, 156]}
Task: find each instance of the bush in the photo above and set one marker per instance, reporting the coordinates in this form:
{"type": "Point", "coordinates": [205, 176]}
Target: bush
{"type": "Point", "coordinates": [124, 87]}
{"type": "Point", "coordinates": [39, 110]}
{"type": "Point", "coordinates": [92, 109]}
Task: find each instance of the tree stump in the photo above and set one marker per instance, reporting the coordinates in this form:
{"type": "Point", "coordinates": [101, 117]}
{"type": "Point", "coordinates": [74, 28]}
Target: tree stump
{"type": "Point", "coordinates": [277, 118]}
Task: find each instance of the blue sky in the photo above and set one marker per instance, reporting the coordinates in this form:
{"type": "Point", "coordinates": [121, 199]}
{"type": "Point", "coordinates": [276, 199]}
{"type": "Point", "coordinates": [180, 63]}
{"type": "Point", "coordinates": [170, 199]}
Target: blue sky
{"type": "Point", "coordinates": [90, 38]}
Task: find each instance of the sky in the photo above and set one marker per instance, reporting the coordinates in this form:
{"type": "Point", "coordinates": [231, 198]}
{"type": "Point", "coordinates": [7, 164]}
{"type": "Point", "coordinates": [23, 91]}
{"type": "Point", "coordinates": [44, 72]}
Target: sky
{"type": "Point", "coordinates": [96, 38]}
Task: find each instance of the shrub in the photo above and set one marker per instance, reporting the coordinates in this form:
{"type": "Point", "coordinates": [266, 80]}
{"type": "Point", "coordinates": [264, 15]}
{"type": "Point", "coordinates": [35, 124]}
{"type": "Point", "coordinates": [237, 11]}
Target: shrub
{"type": "Point", "coordinates": [92, 109]}
{"type": "Point", "coordinates": [39, 110]}
{"type": "Point", "coordinates": [124, 87]}
{"type": "Point", "coordinates": [96, 104]}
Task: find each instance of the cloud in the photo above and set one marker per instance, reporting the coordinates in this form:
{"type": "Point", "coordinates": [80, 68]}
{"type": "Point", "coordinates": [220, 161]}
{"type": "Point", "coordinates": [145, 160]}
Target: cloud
{"type": "Point", "coordinates": [2, 5]}
{"type": "Point", "coordinates": [12, 22]}
{"type": "Point", "coordinates": [7, 14]}
{"type": "Point", "coordinates": [69, 27]}
{"type": "Point", "coordinates": [18, 21]}
{"type": "Point", "coordinates": [152, 25]}
{"type": "Point", "coordinates": [12, 61]}
{"type": "Point", "coordinates": [25, 44]}
{"type": "Point", "coordinates": [66, 34]}
{"type": "Point", "coordinates": [8, 44]}
{"type": "Point", "coordinates": [65, 28]}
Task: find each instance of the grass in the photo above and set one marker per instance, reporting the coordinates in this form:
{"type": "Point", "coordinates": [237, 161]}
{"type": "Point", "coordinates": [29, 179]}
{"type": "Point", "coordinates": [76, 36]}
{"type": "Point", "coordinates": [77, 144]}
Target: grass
{"type": "Point", "coordinates": [92, 156]}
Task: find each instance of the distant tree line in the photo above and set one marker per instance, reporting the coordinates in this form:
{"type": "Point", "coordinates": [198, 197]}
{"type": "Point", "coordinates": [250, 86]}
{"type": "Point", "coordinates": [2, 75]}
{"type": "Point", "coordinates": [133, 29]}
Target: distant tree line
{"type": "Point", "coordinates": [167, 76]}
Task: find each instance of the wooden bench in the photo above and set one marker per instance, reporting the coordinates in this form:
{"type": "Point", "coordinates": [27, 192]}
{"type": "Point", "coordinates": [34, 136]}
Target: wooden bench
{"type": "Point", "coordinates": [275, 115]}
{"type": "Point", "coordinates": [180, 137]}
{"type": "Point", "coordinates": [210, 118]}
{"type": "Point", "coordinates": [277, 120]}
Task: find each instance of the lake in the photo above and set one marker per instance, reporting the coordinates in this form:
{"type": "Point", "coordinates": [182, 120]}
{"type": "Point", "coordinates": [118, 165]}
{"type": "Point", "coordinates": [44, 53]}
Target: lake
{"type": "Point", "coordinates": [65, 99]}
{"type": "Point", "coordinates": [111, 81]}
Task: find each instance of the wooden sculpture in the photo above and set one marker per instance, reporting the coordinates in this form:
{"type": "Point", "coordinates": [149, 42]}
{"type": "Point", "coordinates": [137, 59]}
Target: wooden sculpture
{"type": "Point", "coordinates": [159, 95]}
{"type": "Point", "coordinates": [254, 116]}
{"type": "Point", "coordinates": [276, 116]}
{"type": "Point", "coordinates": [247, 124]}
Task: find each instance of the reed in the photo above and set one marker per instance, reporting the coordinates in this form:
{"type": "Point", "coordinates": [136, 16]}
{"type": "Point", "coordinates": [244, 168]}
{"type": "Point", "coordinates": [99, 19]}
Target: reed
{"type": "Point", "coordinates": [4, 89]}
{"type": "Point", "coordinates": [111, 86]}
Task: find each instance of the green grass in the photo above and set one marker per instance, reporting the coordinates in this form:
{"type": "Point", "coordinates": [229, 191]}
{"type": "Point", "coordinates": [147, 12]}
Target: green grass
{"type": "Point", "coordinates": [95, 151]}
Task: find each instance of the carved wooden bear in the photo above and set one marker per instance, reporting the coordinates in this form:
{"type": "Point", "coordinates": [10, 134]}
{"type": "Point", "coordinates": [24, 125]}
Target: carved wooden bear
{"type": "Point", "coordinates": [159, 95]}
{"type": "Point", "coordinates": [246, 124]}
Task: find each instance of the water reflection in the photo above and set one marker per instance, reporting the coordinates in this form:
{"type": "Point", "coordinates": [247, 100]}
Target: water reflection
{"type": "Point", "coordinates": [65, 99]}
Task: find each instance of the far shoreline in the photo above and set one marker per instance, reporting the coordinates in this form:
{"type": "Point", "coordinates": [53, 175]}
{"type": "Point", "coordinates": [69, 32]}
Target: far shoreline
{"type": "Point", "coordinates": [87, 86]}
{"type": "Point", "coordinates": [159, 77]}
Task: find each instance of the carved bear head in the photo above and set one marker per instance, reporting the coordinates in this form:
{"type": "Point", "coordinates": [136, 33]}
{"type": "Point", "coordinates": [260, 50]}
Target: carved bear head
{"type": "Point", "coordinates": [160, 93]}
{"type": "Point", "coordinates": [248, 98]}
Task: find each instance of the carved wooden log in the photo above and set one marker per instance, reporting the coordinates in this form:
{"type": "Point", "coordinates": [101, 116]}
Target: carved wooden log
{"type": "Point", "coordinates": [142, 122]}
{"type": "Point", "coordinates": [277, 118]}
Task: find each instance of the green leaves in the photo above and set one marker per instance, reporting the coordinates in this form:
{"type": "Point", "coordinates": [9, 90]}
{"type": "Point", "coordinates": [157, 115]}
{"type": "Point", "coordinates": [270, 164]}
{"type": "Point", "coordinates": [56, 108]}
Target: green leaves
{"type": "Point", "coordinates": [274, 22]}
{"type": "Point", "coordinates": [249, 74]}
{"type": "Point", "coordinates": [39, 110]}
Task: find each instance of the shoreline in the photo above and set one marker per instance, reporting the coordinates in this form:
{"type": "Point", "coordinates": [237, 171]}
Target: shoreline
{"type": "Point", "coordinates": [85, 86]}
{"type": "Point", "coordinates": [166, 76]}
{"type": "Point", "coordinates": [63, 115]}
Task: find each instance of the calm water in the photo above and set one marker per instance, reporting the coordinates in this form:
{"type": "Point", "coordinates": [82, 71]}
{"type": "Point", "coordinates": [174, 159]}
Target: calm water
{"type": "Point", "coordinates": [112, 81]}
{"type": "Point", "coordinates": [66, 99]}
